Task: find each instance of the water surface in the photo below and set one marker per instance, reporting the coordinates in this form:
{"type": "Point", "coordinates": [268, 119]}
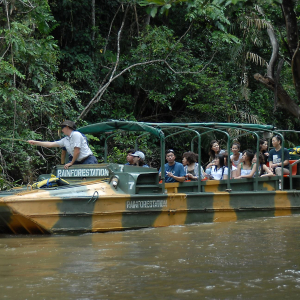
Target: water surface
{"type": "Point", "coordinates": [250, 259]}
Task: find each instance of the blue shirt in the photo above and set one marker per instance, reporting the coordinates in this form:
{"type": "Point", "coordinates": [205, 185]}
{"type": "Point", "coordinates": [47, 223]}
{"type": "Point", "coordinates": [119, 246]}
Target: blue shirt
{"type": "Point", "coordinates": [176, 169]}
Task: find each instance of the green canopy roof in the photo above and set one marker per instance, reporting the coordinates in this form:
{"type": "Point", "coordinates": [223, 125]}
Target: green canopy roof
{"type": "Point", "coordinates": [156, 128]}
{"type": "Point", "coordinates": [122, 125]}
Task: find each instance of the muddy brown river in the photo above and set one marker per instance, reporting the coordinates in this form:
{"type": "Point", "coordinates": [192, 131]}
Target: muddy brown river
{"type": "Point", "coordinates": [251, 259]}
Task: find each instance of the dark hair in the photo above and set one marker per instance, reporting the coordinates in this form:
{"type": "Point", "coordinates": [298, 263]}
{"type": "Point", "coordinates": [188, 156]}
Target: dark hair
{"type": "Point", "coordinates": [249, 153]}
{"type": "Point", "coordinates": [221, 161]}
{"type": "Point", "coordinates": [261, 158]}
{"type": "Point", "coordinates": [141, 162]}
{"type": "Point", "coordinates": [237, 144]}
{"type": "Point", "coordinates": [261, 142]}
{"type": "Point", "coordinates": [211, 152]}
{"type": "Point", "coordinates": [191, 157]}
{"type": "Point", "coordinates": [261, 161]}
{"type": "Point", "coordinates": [130, 151]}
{"type": "Point", "coordinates": [225, 154]}
{"type": "Point", "coordinates": [279, 138]}
{"type": "Point", "coordinates": [170, 151]}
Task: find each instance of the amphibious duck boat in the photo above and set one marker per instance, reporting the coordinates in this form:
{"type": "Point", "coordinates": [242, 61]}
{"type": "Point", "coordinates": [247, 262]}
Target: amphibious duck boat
{"type": "Point", "coordinates": [107, 197]}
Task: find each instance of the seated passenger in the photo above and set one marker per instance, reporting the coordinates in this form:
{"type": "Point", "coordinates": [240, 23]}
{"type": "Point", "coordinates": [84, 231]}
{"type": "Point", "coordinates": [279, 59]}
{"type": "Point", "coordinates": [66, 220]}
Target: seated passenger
{"type": "Point", "coordinates": [263, 170]}
{"type": "Point", "coordinates": [129, 158]}
{"type": "Point", "coordinates": [214, 150]}
{"type": "Point", "coordinates": [139, 159]}
{"type": "Point", "coordinates": [263, 149]}
{"type": "Point", "coordinates": [275, 157]}
{"type": "Point", "coordinates": [191, 167]}
{"type": "Point", "coordinates": [233, 169]}
{"type": "Point", "coordinates": [236, 155]}
{"type": "Point", "coordinates": [246, 169]}
{"type": "Point", "coordinates": [174, 171]}
{"type": "Point", "coordinates": [219, 171]}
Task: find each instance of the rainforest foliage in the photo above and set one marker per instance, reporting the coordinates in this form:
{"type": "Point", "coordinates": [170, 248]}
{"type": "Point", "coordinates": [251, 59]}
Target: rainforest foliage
{"type": "Point", "coordinates": [151, 61]}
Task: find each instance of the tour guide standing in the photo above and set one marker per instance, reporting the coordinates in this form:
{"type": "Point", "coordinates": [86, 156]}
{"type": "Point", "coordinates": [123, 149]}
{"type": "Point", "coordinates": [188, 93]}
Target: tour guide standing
{"type": "Point", "coordinates": [174, 170]}
{"type": "Point", "coordinates": [75, 144]}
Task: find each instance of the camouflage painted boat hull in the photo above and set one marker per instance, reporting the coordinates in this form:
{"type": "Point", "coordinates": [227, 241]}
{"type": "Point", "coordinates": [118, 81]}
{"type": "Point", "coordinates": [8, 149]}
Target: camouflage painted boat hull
{"type": "Point", "coordinates": [97, 205]}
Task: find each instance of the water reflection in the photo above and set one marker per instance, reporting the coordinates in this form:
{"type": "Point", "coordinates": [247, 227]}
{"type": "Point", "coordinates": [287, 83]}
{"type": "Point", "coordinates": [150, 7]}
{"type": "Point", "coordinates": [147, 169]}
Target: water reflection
{"type": "Point", "coordinates": [239, 260]}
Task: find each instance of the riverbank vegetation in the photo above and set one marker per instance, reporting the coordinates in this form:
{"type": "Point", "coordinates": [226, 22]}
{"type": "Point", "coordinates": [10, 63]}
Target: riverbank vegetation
{"type": "Point", "coordinates": [149, 61]}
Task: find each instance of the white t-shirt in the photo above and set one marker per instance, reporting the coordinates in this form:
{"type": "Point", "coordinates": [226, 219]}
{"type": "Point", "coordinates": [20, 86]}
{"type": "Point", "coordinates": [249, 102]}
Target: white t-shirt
{"type": "Point", "coordinates": [217, 174]}
{"type": "Point", "coordinates": [236, 162]}
{"type": "Point", "coordinates": [75, 140]}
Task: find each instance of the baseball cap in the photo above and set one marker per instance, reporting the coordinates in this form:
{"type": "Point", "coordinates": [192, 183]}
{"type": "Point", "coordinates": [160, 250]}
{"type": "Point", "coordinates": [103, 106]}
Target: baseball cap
{"type": "Point", "coordinates": [139, 154]}
{"type": "Point", "coordinates": [68, 123]}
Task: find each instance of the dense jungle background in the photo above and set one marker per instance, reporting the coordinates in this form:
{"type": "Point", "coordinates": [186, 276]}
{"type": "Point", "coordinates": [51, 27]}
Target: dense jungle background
{"type": "Point", "coordinates": [150, 61]}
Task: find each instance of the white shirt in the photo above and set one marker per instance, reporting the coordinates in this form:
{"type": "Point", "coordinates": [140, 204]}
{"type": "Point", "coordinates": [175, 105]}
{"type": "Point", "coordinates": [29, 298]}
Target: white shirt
{"type": "Point", "coordinates": [236, 162]}
{"type": "Point", "coordinates": [218, 174]}
{"type": "Point", "coordinates": [75, 140]}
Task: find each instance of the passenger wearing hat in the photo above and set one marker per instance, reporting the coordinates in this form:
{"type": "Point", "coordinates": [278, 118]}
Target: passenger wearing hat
{"type": "Point", "coordinates": [129, 158]}
{"type": "Point", "coordinates": [139, 159]}
{"type": "Point", "coordinates": [75, 144]}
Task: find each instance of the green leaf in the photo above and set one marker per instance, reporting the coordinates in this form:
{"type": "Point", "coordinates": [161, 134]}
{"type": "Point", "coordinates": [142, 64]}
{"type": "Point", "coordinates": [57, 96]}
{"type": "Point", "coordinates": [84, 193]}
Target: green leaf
{"type": "Point", "coordinates": [153, 11]}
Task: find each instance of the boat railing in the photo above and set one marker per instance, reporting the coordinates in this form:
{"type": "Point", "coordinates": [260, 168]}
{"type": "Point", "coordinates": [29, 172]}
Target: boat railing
{"type": "Point", "coordinates": [198, 129]}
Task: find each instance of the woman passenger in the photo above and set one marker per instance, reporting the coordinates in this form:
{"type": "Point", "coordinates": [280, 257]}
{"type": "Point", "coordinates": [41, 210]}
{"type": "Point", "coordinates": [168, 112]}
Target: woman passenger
{"type": "Point", "coordinates": [219, 171]}
{"type": "Point", "coordinates": [263, 170]}
{"type": "Point", "coordinates": [263, 147]}
{"type": "Point", "coordinates": [214, 150]}
{"type": "Point", "coordinates": [233, 169]}
{"type": "Point", "coordinates": [236, 156]}
{"type": "Point", "coordinates": [189, 161]}
{"type": "Point", "coordinates": [246, 169]}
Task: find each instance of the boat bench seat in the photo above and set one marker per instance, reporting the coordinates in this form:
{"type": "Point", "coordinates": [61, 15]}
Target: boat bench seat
{"type": "Point", "coordinates": [294, 167]}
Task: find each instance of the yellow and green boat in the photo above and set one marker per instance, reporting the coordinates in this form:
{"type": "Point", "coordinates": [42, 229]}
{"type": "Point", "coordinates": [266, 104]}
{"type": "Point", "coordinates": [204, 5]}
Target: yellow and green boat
{"type": "Point", "coordinates": [108, 197]}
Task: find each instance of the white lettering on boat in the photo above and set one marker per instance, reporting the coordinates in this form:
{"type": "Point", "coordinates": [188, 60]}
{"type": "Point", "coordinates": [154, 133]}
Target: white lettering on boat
{"type": "Point", "coordinates": [146, 204]}
{"type": "Point", "coordinates": [83, 173]}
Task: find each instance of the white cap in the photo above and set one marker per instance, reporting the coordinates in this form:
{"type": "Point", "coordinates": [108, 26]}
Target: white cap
{"type": "Point", "coordinates": [139, 154]}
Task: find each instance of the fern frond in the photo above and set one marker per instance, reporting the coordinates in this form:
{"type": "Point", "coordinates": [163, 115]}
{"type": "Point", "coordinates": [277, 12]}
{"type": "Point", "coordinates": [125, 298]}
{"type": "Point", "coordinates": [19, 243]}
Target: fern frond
{"type": "Point", "coordinates": [256, 58]}
{"type": "Point", "coordinates": [248, 118]}
{"type": "Point", "coordinates": [258, 23]}
{"type": "Point", "coordinates": [259, 10]}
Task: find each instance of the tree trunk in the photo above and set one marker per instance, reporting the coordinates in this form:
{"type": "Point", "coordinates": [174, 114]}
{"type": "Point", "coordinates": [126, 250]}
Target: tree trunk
{"type": "Point", "coordinates": [292, 40]}
{"type": "Point", "coordinates": [284, 100]}
{"type": "Point", "coordinates": [272, 80]}
{"type": "Point", "coordinates": [93, 20]}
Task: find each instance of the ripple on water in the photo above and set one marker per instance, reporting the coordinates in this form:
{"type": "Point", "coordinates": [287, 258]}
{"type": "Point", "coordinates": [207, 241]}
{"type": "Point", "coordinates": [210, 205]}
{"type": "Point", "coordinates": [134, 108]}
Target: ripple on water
{"type": "Point", "coordinates": [181, 291]}
{"type": "Point", "coordinates": [238, 260]}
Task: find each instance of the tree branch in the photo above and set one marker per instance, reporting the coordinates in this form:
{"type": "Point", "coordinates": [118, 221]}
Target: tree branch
{"type": "Point", "coordinates": [103, 86]}
{"type": "Point", "coordinates": [104, 50]}
{"type": "Point", "coordinates": [275, 52]}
